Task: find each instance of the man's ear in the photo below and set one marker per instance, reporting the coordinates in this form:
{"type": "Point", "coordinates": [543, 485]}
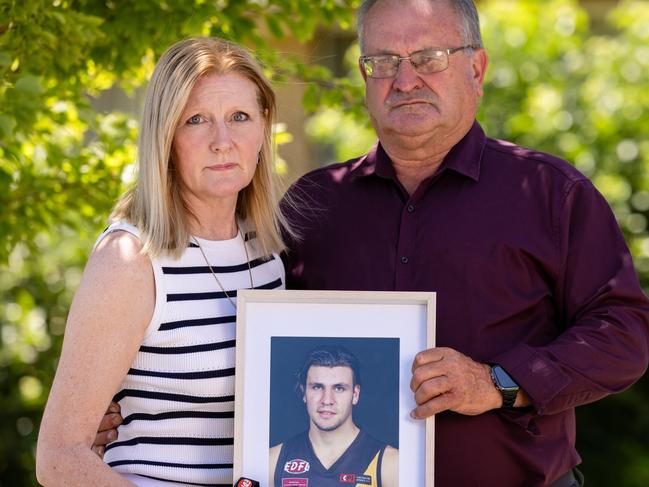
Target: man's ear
{"type": "Point", "coordinates": [479, 63]}
{"type": "Point", "coordinates": [302, 392]}
{"type": "Point", "coordinates": [357, 394]}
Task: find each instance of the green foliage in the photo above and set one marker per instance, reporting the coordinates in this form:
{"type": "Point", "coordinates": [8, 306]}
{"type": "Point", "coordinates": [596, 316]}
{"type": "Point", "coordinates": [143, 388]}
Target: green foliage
{"type": "Point", "coordinates": [342, 123]}
{"type": "Point", "coordinates": [63, 163]}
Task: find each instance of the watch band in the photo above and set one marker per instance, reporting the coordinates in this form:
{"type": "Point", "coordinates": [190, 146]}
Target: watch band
{"type": "Point", "coordinates": [507, 387]}
{"type": "Point", "coordinates": [509, 397]}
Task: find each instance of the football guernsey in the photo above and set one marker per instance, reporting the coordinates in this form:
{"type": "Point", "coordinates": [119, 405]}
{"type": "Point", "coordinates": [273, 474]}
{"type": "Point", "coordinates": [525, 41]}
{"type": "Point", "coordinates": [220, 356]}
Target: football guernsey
{"type": "Point", "coordinates": [359, 465]}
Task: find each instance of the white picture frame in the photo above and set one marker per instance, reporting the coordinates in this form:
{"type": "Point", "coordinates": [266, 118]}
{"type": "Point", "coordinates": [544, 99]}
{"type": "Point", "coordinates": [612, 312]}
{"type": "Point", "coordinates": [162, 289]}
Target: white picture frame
{"type": "Point", "coordinates": [270, 323]}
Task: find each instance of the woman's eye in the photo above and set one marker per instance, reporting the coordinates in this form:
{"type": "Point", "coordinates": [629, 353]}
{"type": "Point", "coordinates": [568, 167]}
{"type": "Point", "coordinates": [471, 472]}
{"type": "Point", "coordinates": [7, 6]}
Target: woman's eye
{"type": "Point", "coordinates": [240, 117]}
{"type": "Point", "coordinates": [194, 120]}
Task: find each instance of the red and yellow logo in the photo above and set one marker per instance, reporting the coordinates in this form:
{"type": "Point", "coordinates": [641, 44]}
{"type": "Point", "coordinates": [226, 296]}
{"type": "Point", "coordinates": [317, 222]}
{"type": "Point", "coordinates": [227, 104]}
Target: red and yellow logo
{"type": "Point", "coordinates": [296, 466]}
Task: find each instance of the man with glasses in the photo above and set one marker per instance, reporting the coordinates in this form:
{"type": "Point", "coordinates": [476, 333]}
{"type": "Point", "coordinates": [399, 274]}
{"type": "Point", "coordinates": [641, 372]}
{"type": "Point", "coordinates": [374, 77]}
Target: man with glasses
{"type": "Point", "coordinates": [539, 308]}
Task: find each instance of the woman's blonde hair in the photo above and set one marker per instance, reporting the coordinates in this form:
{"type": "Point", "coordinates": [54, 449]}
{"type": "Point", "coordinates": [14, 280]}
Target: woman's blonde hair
{"type": "Point", "coordinates": [155, 205]}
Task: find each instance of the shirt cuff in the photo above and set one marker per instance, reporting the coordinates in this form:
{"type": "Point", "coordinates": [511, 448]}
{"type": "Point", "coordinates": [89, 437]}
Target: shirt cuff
{"type": "Point", "coordinates": [538, 375]}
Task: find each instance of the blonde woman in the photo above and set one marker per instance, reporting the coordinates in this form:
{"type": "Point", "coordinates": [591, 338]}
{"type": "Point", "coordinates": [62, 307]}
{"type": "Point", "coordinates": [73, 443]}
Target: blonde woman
{"type": "Point", "coordinates": [152, 323]}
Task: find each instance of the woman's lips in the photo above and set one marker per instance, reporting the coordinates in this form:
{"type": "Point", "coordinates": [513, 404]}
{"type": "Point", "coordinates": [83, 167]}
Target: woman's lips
{"type": "Point", "coordinates": [222, 167]}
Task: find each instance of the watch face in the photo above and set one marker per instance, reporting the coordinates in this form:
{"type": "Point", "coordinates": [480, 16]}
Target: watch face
{"type": "Point", "coordinates": [503, 378]}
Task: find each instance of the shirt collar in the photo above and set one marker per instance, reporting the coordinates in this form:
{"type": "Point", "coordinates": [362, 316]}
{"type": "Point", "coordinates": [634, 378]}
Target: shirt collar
{"type": "Point", "coordinates": [464, 158]}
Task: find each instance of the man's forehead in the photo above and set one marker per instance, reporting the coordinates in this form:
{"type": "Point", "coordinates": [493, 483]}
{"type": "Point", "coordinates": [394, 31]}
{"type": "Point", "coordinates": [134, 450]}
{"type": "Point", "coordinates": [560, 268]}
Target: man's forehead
{"type": "Point", "coordinates": [338, 373]}
{"type": "Point", "coordinates": [394, 26]}
{"type": "Point", "coordinates": [418, 7]}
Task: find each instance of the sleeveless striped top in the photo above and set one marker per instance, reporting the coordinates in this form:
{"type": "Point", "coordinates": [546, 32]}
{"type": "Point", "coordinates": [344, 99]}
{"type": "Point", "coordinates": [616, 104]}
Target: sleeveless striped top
{"type": "Point", "coordinates": [177, 400]}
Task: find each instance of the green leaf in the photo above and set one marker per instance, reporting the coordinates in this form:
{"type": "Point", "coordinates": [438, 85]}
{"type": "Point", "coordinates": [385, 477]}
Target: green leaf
{"type": "Point", "coordinates": [310, 99]}
{"type": "Point", "coordinates": [30, 84]}
{"type": "Point", "coordinates": [7, 126]}
{"type": "Point", "coordinates": [5, 59]}
{"type": "Point", "coordinates": [274, 27]}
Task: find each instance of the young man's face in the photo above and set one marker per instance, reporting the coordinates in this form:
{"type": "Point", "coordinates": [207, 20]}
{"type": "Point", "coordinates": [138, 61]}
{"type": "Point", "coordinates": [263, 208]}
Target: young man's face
{"type": "Point", "coordinates": [329, 396]}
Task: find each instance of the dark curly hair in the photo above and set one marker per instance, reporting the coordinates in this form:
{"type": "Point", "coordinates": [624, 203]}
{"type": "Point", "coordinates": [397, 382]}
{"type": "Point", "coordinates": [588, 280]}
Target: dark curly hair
{"type": "Point", "coordinates": [329, 356]}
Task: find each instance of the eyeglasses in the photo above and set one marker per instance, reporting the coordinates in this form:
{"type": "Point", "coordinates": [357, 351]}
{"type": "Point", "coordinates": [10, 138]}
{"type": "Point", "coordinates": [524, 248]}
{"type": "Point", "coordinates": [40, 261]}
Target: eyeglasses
{"type": "Point", "coordinates": [427, 61]}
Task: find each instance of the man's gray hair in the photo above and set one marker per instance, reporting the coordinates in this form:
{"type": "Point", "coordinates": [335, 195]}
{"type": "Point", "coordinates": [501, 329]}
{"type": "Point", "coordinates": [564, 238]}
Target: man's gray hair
{"type": "Point", "coordinates": [465, 9]}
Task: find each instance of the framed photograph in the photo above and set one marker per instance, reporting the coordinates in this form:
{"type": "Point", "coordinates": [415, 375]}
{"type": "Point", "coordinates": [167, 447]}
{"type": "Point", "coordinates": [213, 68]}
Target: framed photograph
{"type": "Point", "coordinates": [323, 388]}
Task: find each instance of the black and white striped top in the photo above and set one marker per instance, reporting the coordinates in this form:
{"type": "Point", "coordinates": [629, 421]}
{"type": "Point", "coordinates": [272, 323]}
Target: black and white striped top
{"type": "Point", "coordinates": [177, 399]}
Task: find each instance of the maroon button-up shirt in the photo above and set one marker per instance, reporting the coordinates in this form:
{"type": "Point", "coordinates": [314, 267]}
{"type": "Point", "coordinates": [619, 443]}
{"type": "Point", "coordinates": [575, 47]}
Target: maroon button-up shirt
{"type": "Point", "coordinates": [531, 272]}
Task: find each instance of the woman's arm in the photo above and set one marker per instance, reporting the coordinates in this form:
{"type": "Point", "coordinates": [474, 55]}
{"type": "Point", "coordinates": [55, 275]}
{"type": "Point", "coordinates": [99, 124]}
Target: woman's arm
{"type": "Point", "coordinates": [109, 314]}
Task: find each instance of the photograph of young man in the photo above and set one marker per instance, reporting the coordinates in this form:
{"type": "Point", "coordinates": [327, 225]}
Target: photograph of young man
{"type": "Point", "coordinates": [333, 450]}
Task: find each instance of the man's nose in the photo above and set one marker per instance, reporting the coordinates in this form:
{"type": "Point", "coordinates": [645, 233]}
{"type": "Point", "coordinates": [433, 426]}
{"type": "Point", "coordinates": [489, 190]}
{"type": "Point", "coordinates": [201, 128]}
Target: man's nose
{"type": "Point", "coordinates": [406, 79]}
{"type": "Point", "coordinates": [327, 396]}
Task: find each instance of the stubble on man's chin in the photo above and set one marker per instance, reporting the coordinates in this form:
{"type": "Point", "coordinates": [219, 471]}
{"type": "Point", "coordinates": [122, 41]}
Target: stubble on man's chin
{"type": "Point", "coordinates": [407, 121]}
{"type": "Point", "coordinates": [405, 135]}
{"type": "Point", "coordinates": [327, 428]}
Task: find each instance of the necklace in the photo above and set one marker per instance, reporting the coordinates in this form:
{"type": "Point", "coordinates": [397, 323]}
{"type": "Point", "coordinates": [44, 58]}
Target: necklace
{"type": "Point", "coordinates": [245, 248]}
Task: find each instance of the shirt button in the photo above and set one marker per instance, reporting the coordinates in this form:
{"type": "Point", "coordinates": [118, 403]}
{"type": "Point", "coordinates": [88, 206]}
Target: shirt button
{"type": "Point", "coordinates": [404, 260]}
{"type": "Point", "coordinates": [411, 208]}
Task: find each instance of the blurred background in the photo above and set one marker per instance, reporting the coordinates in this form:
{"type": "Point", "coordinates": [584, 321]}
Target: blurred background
{"type": "Point", "coordinates": [568, 77]}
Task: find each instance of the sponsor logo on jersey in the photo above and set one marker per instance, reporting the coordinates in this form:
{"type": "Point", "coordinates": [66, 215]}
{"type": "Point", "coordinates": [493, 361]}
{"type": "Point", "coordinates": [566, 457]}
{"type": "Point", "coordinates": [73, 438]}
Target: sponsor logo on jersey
{"type": "Point", "coordinates": [350, 478]}
{"type": "Point", "coordinates": [295, 482]}
{"type": "Point", "coordinates": [296, 466]}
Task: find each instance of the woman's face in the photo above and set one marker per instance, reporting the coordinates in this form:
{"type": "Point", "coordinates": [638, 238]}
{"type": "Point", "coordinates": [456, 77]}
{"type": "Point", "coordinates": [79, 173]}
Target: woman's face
{"type": "Point", "coordinates": [217, 142]}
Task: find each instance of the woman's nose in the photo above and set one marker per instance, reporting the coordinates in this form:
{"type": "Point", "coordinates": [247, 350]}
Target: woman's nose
{"type": "Point", "coordinates": [220, 138]}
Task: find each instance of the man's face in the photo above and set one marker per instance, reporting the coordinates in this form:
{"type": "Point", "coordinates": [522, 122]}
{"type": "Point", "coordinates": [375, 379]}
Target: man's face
{"type": "Point", "coordinates": [329, 396]}
{"type": "Point", "coordinates": [411, 108]}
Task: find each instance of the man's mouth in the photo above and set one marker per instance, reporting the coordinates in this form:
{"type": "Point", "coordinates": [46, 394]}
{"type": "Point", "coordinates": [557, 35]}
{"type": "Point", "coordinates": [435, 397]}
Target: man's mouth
{"type": "Point", "coordinates": [406, 103]}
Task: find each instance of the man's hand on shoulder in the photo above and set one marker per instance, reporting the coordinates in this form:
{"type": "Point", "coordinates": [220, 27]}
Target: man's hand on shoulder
{"type": "Point", "coordinates": [107, 430]}
{"type": "Point", "coordinates": [445, 379]}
